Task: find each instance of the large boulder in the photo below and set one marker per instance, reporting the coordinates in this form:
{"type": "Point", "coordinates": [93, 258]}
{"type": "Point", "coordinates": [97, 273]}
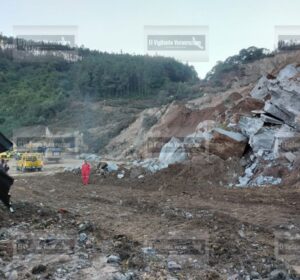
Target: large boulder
{"type": "Point", "coordinates": [196, 142]}
{"type": "Point", "coordinates": [245, 107]}
{"type": "Point", "coordinates": [284, 102]}
{"type": "Point", "coordinates": [280, 112]}
{"type": "Point", "coordinates": [287, 72]}
{"type": "Point", "coordinates": [284, 140]}
{"type": "Point", "coordinates": [292, 85]}
{"type": "Point", "coordinates": [226, 144]}
{"type": "Point", "coordinates": [263, 140]}
{"type": "Point", "coordinates": [260, 91]}
{"type": "Point", "coordinates": [172, 152]}
{"type": "Point", "coordinates": [250, 126]}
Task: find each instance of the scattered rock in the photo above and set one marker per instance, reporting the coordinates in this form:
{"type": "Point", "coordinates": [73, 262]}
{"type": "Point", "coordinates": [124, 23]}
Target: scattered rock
{"type": "Point", "coordinates": [255, 275]}
{"type": "Point", "coordinates": [136, 172]}
{"type": "Point", "coordinates": [113, 259]}
{"type": "Point", "coordinates": [74, 170]}
{"type": "Point", "coordinates": [111, 166]}
{"type": "Point", "coordinates": [39, 269]}
{"type": "Point", "coordinates": [266, 180]}
{"type": "Point", "coordinates": [89, 157]}
{"type": "Point", "coordinates": [278, 274]}
{"type": "Point", "coordinates": [83, 237]}
{"type": "Point", "coordinates": [149, 251]}
{"type": "Point", "coordinates": [249, 172]}
{"type": "Point", "coordinates": [87, 226]}
{"type": "Point", "coordinates": [13, 275]}
{"type": "Point", "coordinates": [126, 276]}
{"type": "Point", "coordinates": [121, 174]}
{"type": "Point", "coordinates": [173, 266]}
{"type": "Point", "coordinates": [152, 165]}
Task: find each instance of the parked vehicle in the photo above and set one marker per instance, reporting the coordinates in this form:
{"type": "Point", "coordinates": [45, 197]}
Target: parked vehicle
{"type": "Point", "coordinates": [53, 154]}
{"type": "Point", "coordinates": [30, 162]}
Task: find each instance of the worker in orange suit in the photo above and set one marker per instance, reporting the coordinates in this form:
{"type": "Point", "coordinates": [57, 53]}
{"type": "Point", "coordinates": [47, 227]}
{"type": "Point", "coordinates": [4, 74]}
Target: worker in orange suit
{"type": "Point", "coordinates": [85, 172]}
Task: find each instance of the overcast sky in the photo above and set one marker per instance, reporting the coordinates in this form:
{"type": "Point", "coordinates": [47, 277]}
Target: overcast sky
{"type": "Point", "coordinates": [115, 25]}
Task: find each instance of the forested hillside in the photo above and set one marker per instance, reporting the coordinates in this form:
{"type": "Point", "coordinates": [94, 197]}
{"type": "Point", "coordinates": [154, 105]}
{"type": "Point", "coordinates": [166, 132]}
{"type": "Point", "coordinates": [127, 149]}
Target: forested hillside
{"type": "Point", "coordinates": [34, 90]}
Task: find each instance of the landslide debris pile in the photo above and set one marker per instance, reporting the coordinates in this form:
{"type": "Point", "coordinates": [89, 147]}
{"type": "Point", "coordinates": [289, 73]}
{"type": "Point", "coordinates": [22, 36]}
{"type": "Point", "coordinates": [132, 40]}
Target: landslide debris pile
{"type": "Point", "coordinates": [273, 132]}
{"type": "Point", "coordinates": [258, 125]}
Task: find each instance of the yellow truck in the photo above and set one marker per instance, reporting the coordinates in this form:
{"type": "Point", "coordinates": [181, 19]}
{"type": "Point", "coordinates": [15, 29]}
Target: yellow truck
{"type": "Point", "coordinates": [6, 155]}
{"type": "Point", "coordinates": [30, 162]}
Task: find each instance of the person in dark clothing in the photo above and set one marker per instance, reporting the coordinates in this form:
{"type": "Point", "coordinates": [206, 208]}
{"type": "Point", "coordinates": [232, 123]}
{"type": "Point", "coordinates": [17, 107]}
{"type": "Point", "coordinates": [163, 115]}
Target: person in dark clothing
{"type": "Point", "coordinates": [4, 166]}
{"type": "Point", "coordinates": [5, 183]}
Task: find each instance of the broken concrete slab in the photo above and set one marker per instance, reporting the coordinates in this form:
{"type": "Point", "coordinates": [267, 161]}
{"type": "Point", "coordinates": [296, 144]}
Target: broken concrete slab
{"type": "Point", "coordinates": [271, 120]}
{"type": "Point", "coordinates": [279, 112]}
{"type": "Point", "coordinates": [285, 106]}
{"type": "Point", "coordinates": [250, 126]}
{"type": "Point", "coordinates": [263, 140]}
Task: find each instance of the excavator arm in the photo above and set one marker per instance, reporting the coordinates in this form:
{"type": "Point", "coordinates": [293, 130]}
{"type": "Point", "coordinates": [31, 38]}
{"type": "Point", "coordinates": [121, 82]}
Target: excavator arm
{"type": "Point", "coordinates": [5, 180]}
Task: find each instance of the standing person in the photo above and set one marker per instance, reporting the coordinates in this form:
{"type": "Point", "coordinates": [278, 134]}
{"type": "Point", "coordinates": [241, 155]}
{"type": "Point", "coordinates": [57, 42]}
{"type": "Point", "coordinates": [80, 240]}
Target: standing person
{"type": "Point", "coordinates": [5, 166]}
{"type": "Point", "coordinates": [5, 183]}
{"type": "Point", "coordinates": [85, 172]}
{"type": "Point", "coordinates": [2, 163]}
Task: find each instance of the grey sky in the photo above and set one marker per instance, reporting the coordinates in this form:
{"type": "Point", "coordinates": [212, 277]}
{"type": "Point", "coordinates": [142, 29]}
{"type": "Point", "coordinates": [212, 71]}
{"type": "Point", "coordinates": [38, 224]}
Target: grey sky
{"type": "Point", "coordinates": [115, 25]}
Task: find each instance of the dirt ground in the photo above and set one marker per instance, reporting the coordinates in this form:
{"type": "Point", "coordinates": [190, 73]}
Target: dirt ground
{"type": "Point", "coordinates": [237, 228]}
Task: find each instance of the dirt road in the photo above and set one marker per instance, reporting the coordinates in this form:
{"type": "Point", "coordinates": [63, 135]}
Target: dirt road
{"type": "Point", "coordinates": [48, 168]}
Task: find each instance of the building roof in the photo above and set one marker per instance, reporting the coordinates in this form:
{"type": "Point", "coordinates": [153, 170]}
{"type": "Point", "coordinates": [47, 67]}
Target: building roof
{"type": "Point", "coordinates": [31, 132]}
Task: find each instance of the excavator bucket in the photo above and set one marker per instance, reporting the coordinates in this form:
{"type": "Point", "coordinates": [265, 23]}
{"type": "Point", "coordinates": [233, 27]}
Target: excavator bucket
{"type": "Point", "coordinates": [5, 183]}
{"type": "Point", "coordinates": [5, 180]}
{"type": "Point", "coordinates": [5, 144]}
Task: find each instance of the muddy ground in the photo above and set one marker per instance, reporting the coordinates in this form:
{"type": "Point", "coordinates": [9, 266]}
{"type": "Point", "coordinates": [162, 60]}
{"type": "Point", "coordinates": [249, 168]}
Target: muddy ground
{"type": "Point", "coordinates": [163, 226]}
